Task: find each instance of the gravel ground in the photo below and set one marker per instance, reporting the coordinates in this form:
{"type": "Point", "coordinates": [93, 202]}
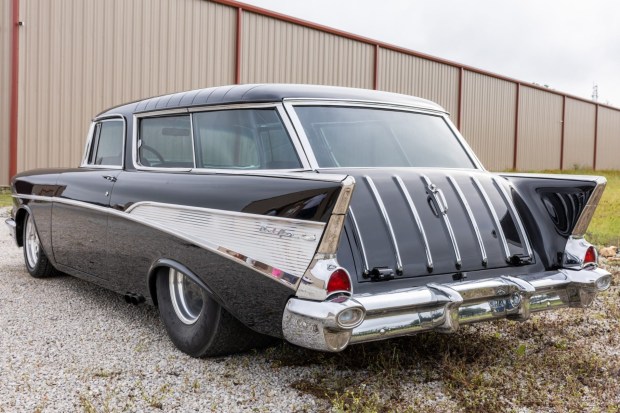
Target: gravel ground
{"type": "Point", "coordinates": [67, 345]}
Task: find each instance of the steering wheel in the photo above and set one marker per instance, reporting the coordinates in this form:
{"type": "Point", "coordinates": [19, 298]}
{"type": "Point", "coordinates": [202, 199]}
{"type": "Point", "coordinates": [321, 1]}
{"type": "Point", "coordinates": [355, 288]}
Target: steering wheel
{"type": "Point", "coordinates": [151, 150]}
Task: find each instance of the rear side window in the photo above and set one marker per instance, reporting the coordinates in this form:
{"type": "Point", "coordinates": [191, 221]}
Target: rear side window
{"type": "Point", "coordinates": [166, 142]}
{"type": "Point", "coordinates": [217, 139]}
{"type": "Point", "coordinates": [243, 139]}
{"type": "Point", "coordinates": [106, 147]}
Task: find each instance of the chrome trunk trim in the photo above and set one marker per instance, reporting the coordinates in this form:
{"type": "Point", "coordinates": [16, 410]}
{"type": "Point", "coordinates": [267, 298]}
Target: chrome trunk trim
{"type": "Point", "coordinates": [515, 216]}
{"type": "Point", "coordinates": [386, 220]}
{"type": "Point", "coordinates": [358, 236]}
{"type": "Point", "coordinates": [418, 221]}
{"type": "Point", "coordinates": [472, 219]}
{"type": "Point", "coordinates": [440, 201]}
{"type": "Point", "coordinates": [496, 220]}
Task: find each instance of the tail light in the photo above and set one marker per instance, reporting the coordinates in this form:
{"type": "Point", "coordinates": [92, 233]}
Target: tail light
{"type": "Point", "coordinates": [339, 281]}
{"type": "Point", "coordinates": [590, 258]}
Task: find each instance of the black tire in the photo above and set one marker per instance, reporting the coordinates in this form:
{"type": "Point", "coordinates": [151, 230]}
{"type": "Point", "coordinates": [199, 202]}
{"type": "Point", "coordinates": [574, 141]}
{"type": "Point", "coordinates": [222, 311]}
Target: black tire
{"type": "Point", "coordinates": [37, 263]}
{"type": "Point", "coordinates": [213, 331]}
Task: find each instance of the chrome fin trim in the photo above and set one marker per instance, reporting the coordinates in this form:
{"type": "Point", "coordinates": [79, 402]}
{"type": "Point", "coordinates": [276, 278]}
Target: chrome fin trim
{"type": "Point", "coordinates": [403, 189]}
{"type": "Point", "coordinates": [588, 212]}
{"type": "Point", "coordinates": [358, 236]}
{"type": "Point", "coordinates": [386, 220]}
{"type": "Point", "coordinates": [472, 219]}
{"type": "Point", "coordinates": [496, 220]}
{"type": "Point", "coordinates": [515, 216]}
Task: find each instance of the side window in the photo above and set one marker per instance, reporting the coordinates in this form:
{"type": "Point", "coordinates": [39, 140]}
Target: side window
{"type": "Point", "coordinates": [243, 139]}
{"type": "Point", "coordinates": [166, 142]}
{"type": "Point", "coordinates": [106, 147]}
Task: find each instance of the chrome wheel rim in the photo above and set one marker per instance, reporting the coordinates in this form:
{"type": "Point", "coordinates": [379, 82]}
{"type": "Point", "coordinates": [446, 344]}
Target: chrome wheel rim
{"type": "Point", "coordinates": [31, 243]}
{"type": "Point", "coordinates": [186, 297]}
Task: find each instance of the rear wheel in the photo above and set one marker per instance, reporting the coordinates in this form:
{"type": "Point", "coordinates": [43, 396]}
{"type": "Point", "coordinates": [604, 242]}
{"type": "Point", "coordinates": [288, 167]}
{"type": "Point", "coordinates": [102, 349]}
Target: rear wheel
{"type": "Point", "coordinates": [197, 324]}
{"type": "Point", "coordinates": [37, 263]}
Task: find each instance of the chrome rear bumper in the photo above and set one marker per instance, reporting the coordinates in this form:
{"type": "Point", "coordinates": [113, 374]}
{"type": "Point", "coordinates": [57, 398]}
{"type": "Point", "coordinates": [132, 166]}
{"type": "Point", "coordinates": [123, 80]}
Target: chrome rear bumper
{"type": "Point", "coordinates": [438, 307]}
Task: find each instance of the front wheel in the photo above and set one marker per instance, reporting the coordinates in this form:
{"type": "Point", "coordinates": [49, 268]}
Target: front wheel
{"type": "Point", "coordinates": [197, 324]}
{"type": "Point", "coordinates": [37, 263]}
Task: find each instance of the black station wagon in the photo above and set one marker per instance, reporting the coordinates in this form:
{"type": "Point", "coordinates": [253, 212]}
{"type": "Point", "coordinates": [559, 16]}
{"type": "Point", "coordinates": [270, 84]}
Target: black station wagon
{"type": "Point", "coordinates": [325, 216]}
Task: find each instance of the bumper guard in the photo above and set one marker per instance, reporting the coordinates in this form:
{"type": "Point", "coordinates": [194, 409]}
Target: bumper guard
{"type": "Point", "coordinates": [438, 307]}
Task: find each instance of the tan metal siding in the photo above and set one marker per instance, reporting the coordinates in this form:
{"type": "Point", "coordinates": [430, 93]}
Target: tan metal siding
{"type": "Point", "coordinates": [6, 19]}
{"type": "Point", "coordinates": [274, 51]}
{"type": "Point", "coordinates": [540, 130]}
{"type": "Point", "coordinates": [608, 141]}
{"type": "Point", "coordinates": [579, 134]}
{"type": "Point", "coordinates": [79, 57]}
{"type": "Point", "coordinates": [412, 75]}
{"type": "Point", "coordinates": [489, 119]}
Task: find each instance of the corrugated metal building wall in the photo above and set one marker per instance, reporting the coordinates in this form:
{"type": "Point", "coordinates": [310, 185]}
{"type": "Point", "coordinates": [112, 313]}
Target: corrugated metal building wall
{"type": "Point", "coordinates": [489, 118]}
{"type": "Point", "coordinates": [5, 87]}
{"type": "Point", "coordinates": [539, 130]}
{"type": "Point", "coordinates": [78, 57]}
{"type": "Point", "coordinates": [98, 55]}
{"type": "Point", "coordinates": [579, 124]}
{"type": "Point", "coordinates": [608, 142]}
{"type": "Point", "coordinates": [412, 75]}
{"type": "Point", "coordinates": [274, 51]}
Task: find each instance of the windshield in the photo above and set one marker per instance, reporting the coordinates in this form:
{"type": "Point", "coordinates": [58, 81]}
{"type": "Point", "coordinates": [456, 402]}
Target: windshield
{"type": "Point", "coordinates": [373, 137]}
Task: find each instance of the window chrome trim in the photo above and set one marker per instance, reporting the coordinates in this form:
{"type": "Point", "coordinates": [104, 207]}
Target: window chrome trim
{"type": "Point", "coordinates": [290, 103]}
{"type": "Point", "coordinates": [89, 142]}
{"type": "Point", "coordinates": [282, 113]}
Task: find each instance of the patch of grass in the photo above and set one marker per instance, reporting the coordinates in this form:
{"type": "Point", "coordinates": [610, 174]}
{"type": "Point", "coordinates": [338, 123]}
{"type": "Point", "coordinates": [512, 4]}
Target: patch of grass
{"type": "Point", "coordinates": [5, 197]}
{"type": "Point", "coordinates": [557, 361]}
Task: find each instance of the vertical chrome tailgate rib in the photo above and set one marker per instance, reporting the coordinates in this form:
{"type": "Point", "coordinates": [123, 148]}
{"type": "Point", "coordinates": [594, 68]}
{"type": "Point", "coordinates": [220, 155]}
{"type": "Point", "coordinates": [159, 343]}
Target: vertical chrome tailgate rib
{"type": "Point", "coordinates": [472, 219]}
{"type": "Point", "coordinates": [496, 221]}
{"type": "Point", "coordinates": [358, 236]}
{"type": "Point", "coordinates": [418, 221]}
{"type": "Point", "coordinates": [435, 193]}
{"type": "Point", "coordinates": [517, 219]}
{"type": "Point", "coordinates": [386, 219]}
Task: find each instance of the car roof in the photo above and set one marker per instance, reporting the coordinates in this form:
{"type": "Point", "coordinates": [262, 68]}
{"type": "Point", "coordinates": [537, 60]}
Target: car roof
{"type": "Point", "coordinates": [266, 93]}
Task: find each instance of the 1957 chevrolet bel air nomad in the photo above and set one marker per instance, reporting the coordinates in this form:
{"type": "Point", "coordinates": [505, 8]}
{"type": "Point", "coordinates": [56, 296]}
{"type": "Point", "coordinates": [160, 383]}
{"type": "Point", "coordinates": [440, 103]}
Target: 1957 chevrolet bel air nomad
{"type": "Point", "coordinates": [325, 216]}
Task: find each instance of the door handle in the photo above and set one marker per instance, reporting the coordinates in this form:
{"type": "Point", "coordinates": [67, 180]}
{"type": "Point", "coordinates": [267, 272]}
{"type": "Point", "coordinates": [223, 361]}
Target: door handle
{"type": "Point", "coordinates": [109, 178]}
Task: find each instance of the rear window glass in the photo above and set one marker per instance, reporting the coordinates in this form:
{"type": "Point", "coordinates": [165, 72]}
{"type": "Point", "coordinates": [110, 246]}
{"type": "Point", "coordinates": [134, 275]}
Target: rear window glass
{"type": "Point", "coordinates": [370, 137]}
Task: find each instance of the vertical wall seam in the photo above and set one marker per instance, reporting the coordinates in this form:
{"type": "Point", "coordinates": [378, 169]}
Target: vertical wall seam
{"type": "Point", "coordinates": [516, 138]}
{"type": "Point", "coordinates": [238, 46]}
{"type": "Point", "coordinates": [595, 137]}
{"type": "Point", "coordinates": [460, 100]}
{"type": "Point", "coordinates": [375, 80]}
{"type": "Point", "coordinates": [14, 91]}
{"type": "Point", "coordinates": [562, 133]}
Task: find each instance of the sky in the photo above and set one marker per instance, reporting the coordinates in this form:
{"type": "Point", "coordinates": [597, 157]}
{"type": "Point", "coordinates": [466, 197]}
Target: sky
{"type": "Point", "coordinates": [570, 46]}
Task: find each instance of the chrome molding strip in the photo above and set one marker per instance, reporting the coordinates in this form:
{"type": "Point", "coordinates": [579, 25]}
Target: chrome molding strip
{"type": "Point", "coordinates": [418, 221]}
{"type": "Point", "coordinates": [515, 217]}
{"type": "Point", "coordinates": [440, 200]}
{"type": "Point", "coordinates": [588, 212]}
{"type": "Point", "coordinates": [496, 220]}
{"type": "Point", "coordinates": [386, 219]}
{"type": "Point", "coordinates": [89, 142]}
{"type": "Point", "coordinates": [291, 242]}
{"type": "Point", "coordinates": [472, 219]}
{"type": "Point", "coordinates": [358, 236]}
